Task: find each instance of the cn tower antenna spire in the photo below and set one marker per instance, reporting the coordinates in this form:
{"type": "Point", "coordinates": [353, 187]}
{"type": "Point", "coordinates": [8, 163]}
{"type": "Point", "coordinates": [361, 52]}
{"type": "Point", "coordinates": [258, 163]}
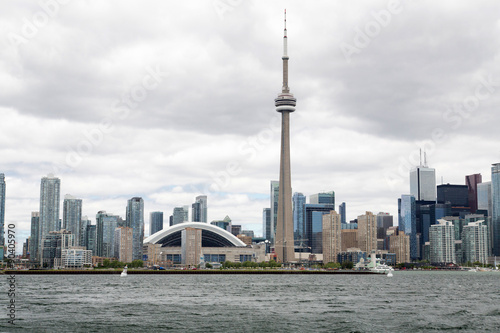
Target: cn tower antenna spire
{"type": "Point", "coordinates": [285, 58]}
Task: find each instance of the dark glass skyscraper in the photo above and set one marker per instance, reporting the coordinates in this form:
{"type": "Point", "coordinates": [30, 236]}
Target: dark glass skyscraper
{"type": "Point", "coordinates": [408, 222]}
{"type": "Point", "coordinates": [135, 220]}
{"type": "Point", "coordinates": [199, 209]}
{"type": "Point", "coordinates": [314, 225]}
{"type": "Point", "coordinates": [299, 201]}
{"type": "Point", "coordinates": [155, 222]}
{"type": "Point", "coordinates": [472, 181]}
{"type": "Point", "coordinates": [342, 212]}
{"type": "Point", "coordinates": [35, 232]}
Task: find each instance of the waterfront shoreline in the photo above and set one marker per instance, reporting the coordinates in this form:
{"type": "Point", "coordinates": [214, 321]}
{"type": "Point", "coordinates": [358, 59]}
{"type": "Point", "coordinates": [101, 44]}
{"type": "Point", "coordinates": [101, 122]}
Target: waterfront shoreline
{"type": "Point", "coordinates": [178, 271]}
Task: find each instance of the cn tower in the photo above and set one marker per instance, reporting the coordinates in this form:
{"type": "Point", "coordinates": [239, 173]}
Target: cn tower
{"type": "Point", "coordinates": [285, 104]}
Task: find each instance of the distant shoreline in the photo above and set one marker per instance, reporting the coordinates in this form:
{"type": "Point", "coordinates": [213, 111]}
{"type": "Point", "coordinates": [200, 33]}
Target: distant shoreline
{"type": "Point", "coordinates": [178, 271]}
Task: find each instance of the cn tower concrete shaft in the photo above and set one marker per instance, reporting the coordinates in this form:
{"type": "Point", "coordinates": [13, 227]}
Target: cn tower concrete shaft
{"type": "Point", "coordinates": [285, 104]}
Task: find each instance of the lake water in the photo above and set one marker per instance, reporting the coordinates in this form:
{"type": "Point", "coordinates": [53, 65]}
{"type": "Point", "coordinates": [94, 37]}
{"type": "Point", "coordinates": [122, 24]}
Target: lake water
{"type": "Point", "coordinates": [409, 301]}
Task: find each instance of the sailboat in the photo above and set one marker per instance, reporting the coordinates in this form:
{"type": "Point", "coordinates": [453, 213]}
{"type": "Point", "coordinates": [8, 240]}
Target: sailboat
{"type": "Point", "coordinates": [124, 272]}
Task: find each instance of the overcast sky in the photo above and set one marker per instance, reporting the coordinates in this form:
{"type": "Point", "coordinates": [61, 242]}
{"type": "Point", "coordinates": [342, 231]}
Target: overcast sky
{"type": "Point", "coordinates": [172, 99]}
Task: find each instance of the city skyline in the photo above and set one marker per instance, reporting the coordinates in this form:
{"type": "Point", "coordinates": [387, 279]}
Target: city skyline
{"type": "Point", "coordinates": [376, 107]}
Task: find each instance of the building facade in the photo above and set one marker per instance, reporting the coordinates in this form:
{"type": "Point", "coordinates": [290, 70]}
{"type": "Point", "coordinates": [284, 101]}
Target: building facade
{"type": "Point", "coordinates": [49, 206]}
{"type": "Point", "coordinates": [399, 243]}
{"type": "Point", "coordinates": [155, 222]}
{"type": "Point", "coordinates": [199, 209]}
{"type": "Point", "coordinates": [123, 244]}
{"type": "Point", "coordinates": [475, 242]}
{"type": "Point", "coordinates": [275, 188]}
{"type": "Point", "coordinates": [314, 226]}
{"type": "Point", "coordinates": [472, 181]}
{"type": "Point", "coordinates": [299, 234]}
{"type": "Point", "coordinates": [105, 234]}
{"type": "Point", "coordinates": [34, 242]}
{"type": "Point", "coordinates": [135, 220]}
{"type": "Point", "coordinates": [332, 236]}
{"type": "Point", "coordinates": [442, 243]}
{"type": "Point", "coordinates": [408, 222]}
{"type": "Point", "coordinates": [367, 232]}
{"type": "Point", "coordinates": [423, 183]}
{"type": "Point", "coordinates": [323, 198]}
{"type": "Point", "coordinates": [72, 216]}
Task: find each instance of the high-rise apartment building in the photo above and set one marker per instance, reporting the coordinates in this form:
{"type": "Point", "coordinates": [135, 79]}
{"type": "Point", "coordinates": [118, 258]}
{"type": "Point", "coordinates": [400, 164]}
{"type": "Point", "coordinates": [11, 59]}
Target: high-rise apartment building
{"type": "Point", "coordinates": [475, 242]}
{"type": "Point", "coordinates": [105, 234]}
{"type": "Point", "coordinates": [179, 215]}
{"type": "Point", "coordinates": [349, 238]}
{"type": "Point", "coordinates": [442, 243]}
{"type": "Point", "coordinates": [72, 216]}
{"type": "Point", "coordinates": [399, 243]}
{"type": "Point", "coordinates": [472, 181]}
{"type": "Point", "coordinates": [135, 220]}
{"type": "Point", "coordinates": [367, 232]}
{"type": "Point", "coordinates": [423, 183]}
{"type": "Point", "coordinates": [495, 216]}
{"type": "Point", "coordinates": [408, 222]}
{"type": "Point", "coordinates": [275, 187]}
{"type": "Point", "coordinates": [49, 207]}
{"type": "Point", "coordinates": [34, 242]}
{"type": "Point", "coordinates": [155, 222]}
{"type": "Point", "coordinates": [199, 209]}
{"type": "Point", "coordinates": [332, 236]}
{"type": "Point", "coordinates": [2, 213]}
{"type": "Point", "coordinates": [83, 231]}
{"type": "Point", "coordinates": [299, 201]}
{"type": "Point", "coordinates": [123, 244]}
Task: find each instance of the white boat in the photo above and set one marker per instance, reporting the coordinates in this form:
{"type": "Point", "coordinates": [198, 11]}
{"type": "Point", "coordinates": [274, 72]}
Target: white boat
{"type": "Point", "coordinates": [378, 267]}
{"type": "Point", "coordinates": [124, 272]}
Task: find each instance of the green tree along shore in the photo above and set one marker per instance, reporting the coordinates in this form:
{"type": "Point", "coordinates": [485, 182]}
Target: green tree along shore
{"type": "Point", "coordinates": [118, 264]}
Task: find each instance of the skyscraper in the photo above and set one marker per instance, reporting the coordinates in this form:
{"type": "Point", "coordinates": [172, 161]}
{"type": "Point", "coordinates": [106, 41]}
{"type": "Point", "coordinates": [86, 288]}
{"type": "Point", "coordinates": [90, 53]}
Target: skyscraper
{"type": "Point", "coordinates": [423, 183]}
{"type": "Point", "coordinates": [332, 239]}
{"type": "Point", "coordinates": [49, 207]}
{"type": "Point", "coordinates": [34, 242]}
{"type": "Point", "coordinates": [135, 220]}
{"type": "Point", "coordinates": [72, 216]}
{"type": "Point", "coordinates": [408, 221]}
{"type": "Point", "coordinates": [155, 222]}
{"type": "Point", "coordinates": [495, 216]}
{"type": "Point", "coordinates": [105, 234]}
{"type": "Point", "coordinates": [2, 213]}
{"type": "Point", "coordinates": [472, 181]}
{"type": "Point", "coordinates": [323, 198]}
{"type": "Point", "coordinates": [83, 231]}
{"type": "Point", "coordinates": [484, 201]}
{"type": "Point", "coordinates": [367, 232]}
{"type": "Point", "coordinates": [285, 104]}
{"type": "Point", "coordinates": [299, 226]}
{"type": "Point", "coordinates": [475, 242]}
{"type": "Point", "coordinates": [342, 212]}
{"type": "Point", "coordinates": [442, 242]}
{"type": "Point", "coordinates": [266, 223]}
{"type": "Point", "coordinates": [179, 215]}
{"type": "Point", "coordinates": [199, 209]}
{"type": "Point", "coordinates": [275, 192]}
{"type": "Point", "coordinates": [313, 219]}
